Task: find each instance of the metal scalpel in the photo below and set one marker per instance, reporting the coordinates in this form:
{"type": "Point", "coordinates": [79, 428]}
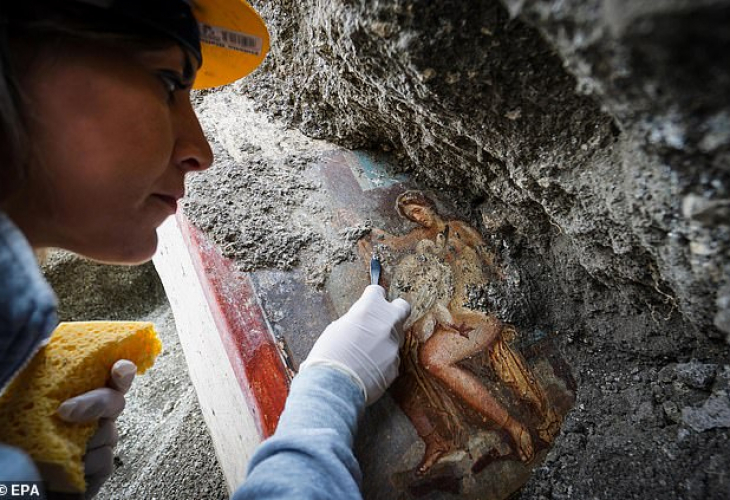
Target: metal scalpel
{"type": "Point", "coordinates": [375, 270]}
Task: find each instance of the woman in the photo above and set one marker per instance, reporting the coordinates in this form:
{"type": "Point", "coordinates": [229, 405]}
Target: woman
{"type": "Point", "coordinates": [98, 134]}
{"type": "Point", "coordinates": [448, 331]}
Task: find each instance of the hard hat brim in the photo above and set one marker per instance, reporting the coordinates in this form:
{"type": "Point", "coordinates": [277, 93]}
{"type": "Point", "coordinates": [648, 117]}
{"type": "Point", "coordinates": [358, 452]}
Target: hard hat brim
{"type": "Point", "coordinates": [233, 38]}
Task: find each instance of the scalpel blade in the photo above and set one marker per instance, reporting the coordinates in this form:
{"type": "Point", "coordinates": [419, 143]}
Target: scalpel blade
{"type": "Point", "coordinates": [374, 270]}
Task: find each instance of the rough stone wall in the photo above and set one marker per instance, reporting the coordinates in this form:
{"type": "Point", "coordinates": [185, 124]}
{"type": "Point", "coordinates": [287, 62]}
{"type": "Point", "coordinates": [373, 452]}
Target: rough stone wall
{"type": "Point", "coordinates": [590, 141]}
{"type": "Point", "coordinates": [625, 150]}
{"type": "Point", "coordinates": [662, 70]}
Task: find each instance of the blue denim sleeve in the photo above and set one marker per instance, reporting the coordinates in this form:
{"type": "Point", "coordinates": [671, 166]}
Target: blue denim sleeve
{"type": "Point", "coordinates": [27, 303]}
{"type": "Point", "coordinates": [16, 465]}
{"type": "Point", "coordinates": [310, 455]}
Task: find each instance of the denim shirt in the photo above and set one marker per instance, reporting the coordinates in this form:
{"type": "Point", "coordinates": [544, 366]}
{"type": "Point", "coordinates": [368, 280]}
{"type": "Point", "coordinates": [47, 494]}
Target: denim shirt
{"type": "Point", "coordinates": [27, 302]}
{"type": "Point", "coordinates": [27, 318]}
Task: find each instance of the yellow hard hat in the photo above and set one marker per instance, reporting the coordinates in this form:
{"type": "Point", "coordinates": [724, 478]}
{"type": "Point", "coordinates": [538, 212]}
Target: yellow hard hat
{"type": "Point", "coordinates": [227, 37]}
{"type": "Point", "coordinates": [233, 39]}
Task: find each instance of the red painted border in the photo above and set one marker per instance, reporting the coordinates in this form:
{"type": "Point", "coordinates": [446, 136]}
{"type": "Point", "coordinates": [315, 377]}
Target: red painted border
{"type": "Point", "coordinates": [243, 329]}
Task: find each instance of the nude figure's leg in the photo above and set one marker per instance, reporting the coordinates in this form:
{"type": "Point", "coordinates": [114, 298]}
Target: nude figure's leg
{"type": "Point", "coordinates": [413, 402]}
{"type": "Point", "coordinates": [440, 355]}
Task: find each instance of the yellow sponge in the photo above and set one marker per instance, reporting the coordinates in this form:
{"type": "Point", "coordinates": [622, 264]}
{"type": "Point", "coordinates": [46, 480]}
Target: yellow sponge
{"type": "Point", "coordinates": [78, 358]}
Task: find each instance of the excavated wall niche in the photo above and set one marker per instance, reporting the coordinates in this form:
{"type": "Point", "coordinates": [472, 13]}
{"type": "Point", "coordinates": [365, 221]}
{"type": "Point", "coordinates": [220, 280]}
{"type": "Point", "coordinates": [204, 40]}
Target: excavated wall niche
{"type": "Point", "coordinates": [590, 143]}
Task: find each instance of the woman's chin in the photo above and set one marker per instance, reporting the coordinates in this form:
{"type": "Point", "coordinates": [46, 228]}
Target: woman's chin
{"type": "Point", "coordinates": [133, 251]}
{"type": "Point", "coordinates": [140, 254]}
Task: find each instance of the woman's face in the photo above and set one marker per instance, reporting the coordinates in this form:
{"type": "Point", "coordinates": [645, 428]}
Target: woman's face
{"type": "Point", "coordinates": [113, 139]}
{"type": "Point", "coordinates": [425, 216]}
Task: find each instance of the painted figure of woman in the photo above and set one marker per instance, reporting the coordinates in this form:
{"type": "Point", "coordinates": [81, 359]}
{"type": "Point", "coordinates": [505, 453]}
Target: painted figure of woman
{"type": "Point", "coordinates": [443, 330]}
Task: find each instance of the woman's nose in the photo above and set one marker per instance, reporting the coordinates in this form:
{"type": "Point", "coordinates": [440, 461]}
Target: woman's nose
{"type": "Point", "coordinates": [193, 151]}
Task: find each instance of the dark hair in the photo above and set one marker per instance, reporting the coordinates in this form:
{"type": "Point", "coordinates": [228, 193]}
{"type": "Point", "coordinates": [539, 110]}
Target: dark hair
{"type": "Point", "coordinates": [413, 198]}
{"type": "Point", "coordinates": [13, 141]}
{"type": "Point", "coordinates": [40, 23]}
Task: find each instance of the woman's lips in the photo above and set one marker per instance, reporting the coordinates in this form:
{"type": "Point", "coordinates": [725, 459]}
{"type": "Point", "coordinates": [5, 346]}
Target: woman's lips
{"type": "Point", "coordinates": [170, 201]}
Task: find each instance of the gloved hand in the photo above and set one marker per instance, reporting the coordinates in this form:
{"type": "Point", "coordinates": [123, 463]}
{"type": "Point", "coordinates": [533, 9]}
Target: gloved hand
{"type": "Point", "coordinates": [104, 404]}
{"type": "Point", "coordinates": [364, 342]}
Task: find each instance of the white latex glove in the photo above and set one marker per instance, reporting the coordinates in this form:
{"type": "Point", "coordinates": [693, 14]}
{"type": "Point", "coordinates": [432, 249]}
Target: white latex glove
{"type": "Point", "coordinates": [104, 404]}
{"type": "Point", "coordinates": [364, 343]}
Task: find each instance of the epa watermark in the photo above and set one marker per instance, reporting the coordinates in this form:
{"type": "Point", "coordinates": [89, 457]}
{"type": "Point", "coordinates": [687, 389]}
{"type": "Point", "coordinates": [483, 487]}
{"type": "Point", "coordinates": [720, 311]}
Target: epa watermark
{"type": "Point", "coordinates": [21, 489]}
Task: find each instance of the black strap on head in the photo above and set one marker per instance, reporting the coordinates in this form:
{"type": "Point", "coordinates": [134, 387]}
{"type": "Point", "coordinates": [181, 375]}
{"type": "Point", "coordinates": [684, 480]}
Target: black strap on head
{"type": "Point", "coordinates": [173, 18]}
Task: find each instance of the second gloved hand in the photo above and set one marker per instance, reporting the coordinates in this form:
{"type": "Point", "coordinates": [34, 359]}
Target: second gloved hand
{"type": "Point", "coordinates": [105, 405]}
{"type": "Point", "coordinates": [364, 343]}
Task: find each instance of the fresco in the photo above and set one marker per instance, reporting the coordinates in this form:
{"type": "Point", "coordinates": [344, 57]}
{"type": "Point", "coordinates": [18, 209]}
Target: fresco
{"type": "Point", "coordinates": [460, 414]}
{"type": "Point", "coordinates": [479, 401]}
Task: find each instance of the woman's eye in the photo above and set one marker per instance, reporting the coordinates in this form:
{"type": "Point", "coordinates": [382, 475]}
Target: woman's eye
{"type": "Point", "coordinates": [172, 83]}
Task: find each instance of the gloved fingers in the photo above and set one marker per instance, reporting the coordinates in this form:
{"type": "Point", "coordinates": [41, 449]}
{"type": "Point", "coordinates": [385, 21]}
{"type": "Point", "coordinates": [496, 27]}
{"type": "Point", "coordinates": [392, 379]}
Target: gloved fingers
{"type": "Point", "coordinates": [391, 372]}
{"type": "Point", "coordinates": [373, 290]}
{"type": "Point", "coordinates": [98, 466]}
{"type": "Point", "coordinates": [93, 485]}
{"type": "Point", "coordinates": [403, 308]}
{"type": "Point", "coordinates": [396, 333]}
{"type": "Point", "coordinates": [123, 373]}
{"type": "Point", "coordinates": [99, 462]}
{"type": "Point", "coordinates": [402, 311]}
{"type": "Point", "coordinates": [99, 403]}
{"type": "Point", "coordinates": [372, 295]}
{"type": "Point", "coordinates": [379, 379]}
{"type": "Point", "coordinates": [106, 435]}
